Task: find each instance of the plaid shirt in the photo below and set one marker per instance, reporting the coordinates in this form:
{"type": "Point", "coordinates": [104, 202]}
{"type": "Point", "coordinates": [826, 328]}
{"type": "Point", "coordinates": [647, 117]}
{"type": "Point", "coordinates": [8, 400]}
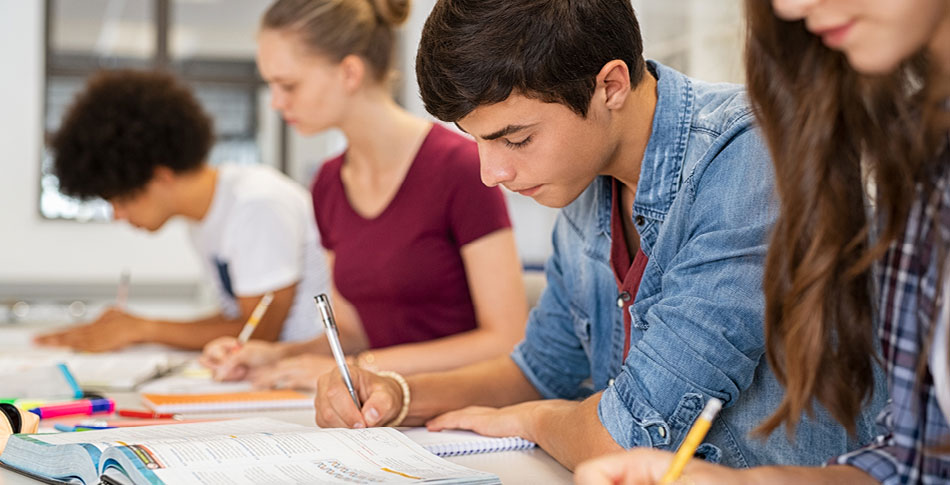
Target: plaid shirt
{"type": "Point", "coordinates": [907, 277]}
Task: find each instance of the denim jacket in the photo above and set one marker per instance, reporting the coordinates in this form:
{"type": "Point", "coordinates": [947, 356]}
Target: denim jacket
{"type": "Point", "coordinates": [703, 210]}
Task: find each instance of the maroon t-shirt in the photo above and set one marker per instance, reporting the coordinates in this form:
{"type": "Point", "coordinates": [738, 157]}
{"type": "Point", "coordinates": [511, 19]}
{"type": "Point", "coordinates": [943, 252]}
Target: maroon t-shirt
{"type": "Point", "coordinates": [627, 273]}
{"type": "Point", "coordinates": [402, 270]}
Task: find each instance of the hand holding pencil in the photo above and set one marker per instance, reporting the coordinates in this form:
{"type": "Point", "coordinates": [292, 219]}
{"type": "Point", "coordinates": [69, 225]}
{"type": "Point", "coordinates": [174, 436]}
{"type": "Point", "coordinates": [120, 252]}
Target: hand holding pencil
{"type": "Point", "coordinates": [692, 441]}
{"type": "Point", "coordinates": [648, 466]}
{"type": "Point", "coordinates": [230, 357]}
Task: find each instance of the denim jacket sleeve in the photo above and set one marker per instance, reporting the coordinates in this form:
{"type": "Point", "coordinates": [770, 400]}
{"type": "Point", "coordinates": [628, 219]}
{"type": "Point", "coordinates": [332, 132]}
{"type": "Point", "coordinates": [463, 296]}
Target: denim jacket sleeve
{"type": "Point", "coordinates": [703, 330]}
{"type": "Point", "coordinates": [551, 355]}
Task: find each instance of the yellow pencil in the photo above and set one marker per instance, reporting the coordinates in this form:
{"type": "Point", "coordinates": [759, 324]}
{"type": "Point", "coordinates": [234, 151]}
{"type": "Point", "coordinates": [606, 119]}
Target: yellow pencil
{"type": "Point", "coordinates": [255, 317]}
{"type": "Point", "coordinates": [695, 436]}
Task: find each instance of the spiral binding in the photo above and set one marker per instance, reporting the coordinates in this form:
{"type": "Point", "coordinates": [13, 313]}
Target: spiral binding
{"type": "Point", "coordinates": [485, 445]}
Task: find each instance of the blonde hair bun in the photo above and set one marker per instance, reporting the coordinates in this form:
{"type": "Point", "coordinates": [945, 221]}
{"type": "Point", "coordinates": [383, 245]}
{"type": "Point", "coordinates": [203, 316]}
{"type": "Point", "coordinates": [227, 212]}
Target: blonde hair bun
{"type": "Point", "coordinates": [392, 12]}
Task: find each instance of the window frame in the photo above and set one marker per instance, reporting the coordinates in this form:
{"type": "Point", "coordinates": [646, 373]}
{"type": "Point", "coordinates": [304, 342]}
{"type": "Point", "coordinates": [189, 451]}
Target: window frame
{"type": "Point", "coordinates": [195, 71]}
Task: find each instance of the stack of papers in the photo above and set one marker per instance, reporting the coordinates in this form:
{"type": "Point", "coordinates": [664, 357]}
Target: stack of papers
{"type": "Point", "coordinates": [113, 371]}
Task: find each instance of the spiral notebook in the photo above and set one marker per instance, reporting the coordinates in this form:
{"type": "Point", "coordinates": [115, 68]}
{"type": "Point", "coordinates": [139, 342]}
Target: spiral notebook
{"type": "Point", "coordinates": [230, 401]}
{"type": "Point", "coordinates": [451, 442]}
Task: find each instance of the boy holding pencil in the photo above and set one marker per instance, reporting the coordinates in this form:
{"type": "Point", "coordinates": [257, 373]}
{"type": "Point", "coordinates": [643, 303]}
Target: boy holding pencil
{"type": "Point", "coordinates": [140, 140]}
{"type": "Point", "coordinates": [653, 303]}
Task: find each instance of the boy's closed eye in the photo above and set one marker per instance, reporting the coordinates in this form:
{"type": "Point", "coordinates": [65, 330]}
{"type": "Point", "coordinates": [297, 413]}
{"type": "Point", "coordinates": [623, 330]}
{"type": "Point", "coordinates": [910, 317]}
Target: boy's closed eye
{"type": "Point", "coordinates": [517, 144]}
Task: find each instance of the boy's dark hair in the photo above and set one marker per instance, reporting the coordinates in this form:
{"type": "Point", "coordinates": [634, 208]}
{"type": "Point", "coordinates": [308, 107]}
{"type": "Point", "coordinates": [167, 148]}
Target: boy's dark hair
{"type": "Point", "coordinates": [121, 127]}
{"type": "Point", "coordinates": [476, 52]}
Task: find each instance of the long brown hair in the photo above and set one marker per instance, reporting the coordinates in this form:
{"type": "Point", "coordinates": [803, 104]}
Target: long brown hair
{"type": "Point", "coordinates": [830, 131]}
{"type": "Point", "coordinates": [338, 28]}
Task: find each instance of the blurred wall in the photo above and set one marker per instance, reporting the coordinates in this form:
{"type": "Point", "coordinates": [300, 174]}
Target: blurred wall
{"type": "Point", "coordinates": [699, 37]}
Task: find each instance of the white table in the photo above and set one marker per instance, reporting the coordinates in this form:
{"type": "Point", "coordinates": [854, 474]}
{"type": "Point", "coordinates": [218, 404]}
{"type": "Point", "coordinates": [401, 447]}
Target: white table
{"type": "Point", "coordinates": [513, 467]}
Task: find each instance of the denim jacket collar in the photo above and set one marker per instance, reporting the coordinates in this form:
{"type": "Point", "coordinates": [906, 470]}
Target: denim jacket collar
{"type": "Point", "coordinates": [662, 165]}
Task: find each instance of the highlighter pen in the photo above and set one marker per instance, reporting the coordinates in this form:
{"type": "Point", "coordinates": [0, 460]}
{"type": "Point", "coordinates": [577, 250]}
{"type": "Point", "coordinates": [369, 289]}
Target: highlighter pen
{"type": "Point", "coordinates": [27, 404]}
{"type": "Point", "coordinates": [695, 436]}
{"type": "Point", "coordinates": [68, 429]}
{"type": "Point", "coordinates": [82, 406]}
{"type": "Point", "coordinates": [326, 314]}
{"type": "Point", "coordinates": [255, 317]}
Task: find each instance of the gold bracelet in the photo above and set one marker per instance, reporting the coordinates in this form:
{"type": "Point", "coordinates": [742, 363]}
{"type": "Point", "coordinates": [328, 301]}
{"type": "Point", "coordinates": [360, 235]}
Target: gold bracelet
{"type": "Point", "coordinates": [366, 360]}
{"type": "Point", "coordinates": [405, 396]}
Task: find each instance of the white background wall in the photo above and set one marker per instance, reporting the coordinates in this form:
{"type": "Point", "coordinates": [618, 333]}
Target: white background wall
{"type": "Point", "coordinates": [36, 250]}
{"type": "Point", "coordinates": [700, 37]}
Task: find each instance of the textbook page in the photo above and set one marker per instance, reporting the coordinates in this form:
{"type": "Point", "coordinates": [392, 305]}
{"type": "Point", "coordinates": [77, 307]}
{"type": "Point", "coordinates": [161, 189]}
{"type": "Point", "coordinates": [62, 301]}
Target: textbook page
{"type": "Point", "coordinates": [64, 455]}
{"type": "Point", "coordinates": [375, 455]}
{"type": "Point", "coordinates": [184, 431]}
{"type": "Point", "coordinates": [261, 450]}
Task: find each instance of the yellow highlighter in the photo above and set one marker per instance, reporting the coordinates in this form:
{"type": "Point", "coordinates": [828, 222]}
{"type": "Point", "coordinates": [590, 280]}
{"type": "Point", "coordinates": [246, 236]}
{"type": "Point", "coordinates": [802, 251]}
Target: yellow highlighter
{"type": "Point", "coordinates": [695, 436]}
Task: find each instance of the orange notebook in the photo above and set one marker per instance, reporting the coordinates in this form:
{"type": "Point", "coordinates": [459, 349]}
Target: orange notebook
{"type": "Point", "coordinates": [234, 401]}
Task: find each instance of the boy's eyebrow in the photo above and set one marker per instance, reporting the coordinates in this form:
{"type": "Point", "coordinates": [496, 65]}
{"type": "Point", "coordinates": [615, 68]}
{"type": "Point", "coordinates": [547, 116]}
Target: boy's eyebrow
{"type": "Point", "coordinates": [506, 131]}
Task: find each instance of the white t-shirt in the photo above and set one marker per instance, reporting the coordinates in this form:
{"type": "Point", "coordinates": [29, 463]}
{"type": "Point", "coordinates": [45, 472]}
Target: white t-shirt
{"type": "Point", "coordinates": [260, 235]}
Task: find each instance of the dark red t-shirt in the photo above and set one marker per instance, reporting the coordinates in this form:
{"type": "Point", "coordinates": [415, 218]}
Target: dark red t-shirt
{"type": "Point", "coordinates": [627, 273]}
{"type": "Point", "coordinates": [402, 270]}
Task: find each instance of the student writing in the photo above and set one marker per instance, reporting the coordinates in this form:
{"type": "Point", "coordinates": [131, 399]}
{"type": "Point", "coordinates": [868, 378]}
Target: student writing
{"type": "Point", "coordinates": [843, 89]}
{"type": "Point", "coordinates": [140, 140]}
{"type": "Point", "coordinates": [653, 301]}
{"type": "Point", "coordinates": [425, 269]}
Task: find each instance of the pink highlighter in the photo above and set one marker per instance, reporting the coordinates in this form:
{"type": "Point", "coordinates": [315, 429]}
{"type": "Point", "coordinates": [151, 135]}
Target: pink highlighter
{"type": "Point", "coordinates": [82, 406]}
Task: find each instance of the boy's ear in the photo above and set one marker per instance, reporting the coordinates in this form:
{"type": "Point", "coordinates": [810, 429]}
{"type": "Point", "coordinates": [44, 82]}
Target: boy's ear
{"type": "Point", "coordinates": [163, 174]}
{"type": "Point", "coordinates": [614, 78]}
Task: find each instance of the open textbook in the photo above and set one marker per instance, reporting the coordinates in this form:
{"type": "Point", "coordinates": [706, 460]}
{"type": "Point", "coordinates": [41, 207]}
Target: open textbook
{"type": "Point", "coordinates": [246, 451]}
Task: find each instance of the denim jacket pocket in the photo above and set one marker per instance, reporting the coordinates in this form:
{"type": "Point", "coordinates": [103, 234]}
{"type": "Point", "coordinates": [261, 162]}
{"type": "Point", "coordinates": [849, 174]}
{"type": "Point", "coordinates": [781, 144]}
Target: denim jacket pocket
{"type": "Point", "coordinates": [582, 324]}
{"type": "Point", "coordinates": [689, 407]}
{"type": "Point", "coordinates": [653, 429]}
{"type": "Point", "coordinates": [709, 452]}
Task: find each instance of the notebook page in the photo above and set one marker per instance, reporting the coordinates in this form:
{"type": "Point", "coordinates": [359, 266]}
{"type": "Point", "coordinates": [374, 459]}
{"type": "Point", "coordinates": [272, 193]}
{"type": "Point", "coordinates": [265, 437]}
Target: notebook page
{"type": "Point", "coordinates": [193, 378]}
{"type": "Point", "coordinates": [452, 442]}
{"type": "Point", "coordinates": [185, 384]}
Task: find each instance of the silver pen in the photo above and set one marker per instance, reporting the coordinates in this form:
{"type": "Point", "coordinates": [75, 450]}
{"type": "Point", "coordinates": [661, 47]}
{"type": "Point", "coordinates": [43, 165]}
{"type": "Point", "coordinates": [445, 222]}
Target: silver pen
{"type": "Point", "coordinates": [333, 336]}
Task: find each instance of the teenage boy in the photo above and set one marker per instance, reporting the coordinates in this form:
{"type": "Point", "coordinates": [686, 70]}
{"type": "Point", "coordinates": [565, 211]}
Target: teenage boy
{"type": "Point", "coordinates": [140, 140]}
{"type": "Point", "coordinates": [653, 302]}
